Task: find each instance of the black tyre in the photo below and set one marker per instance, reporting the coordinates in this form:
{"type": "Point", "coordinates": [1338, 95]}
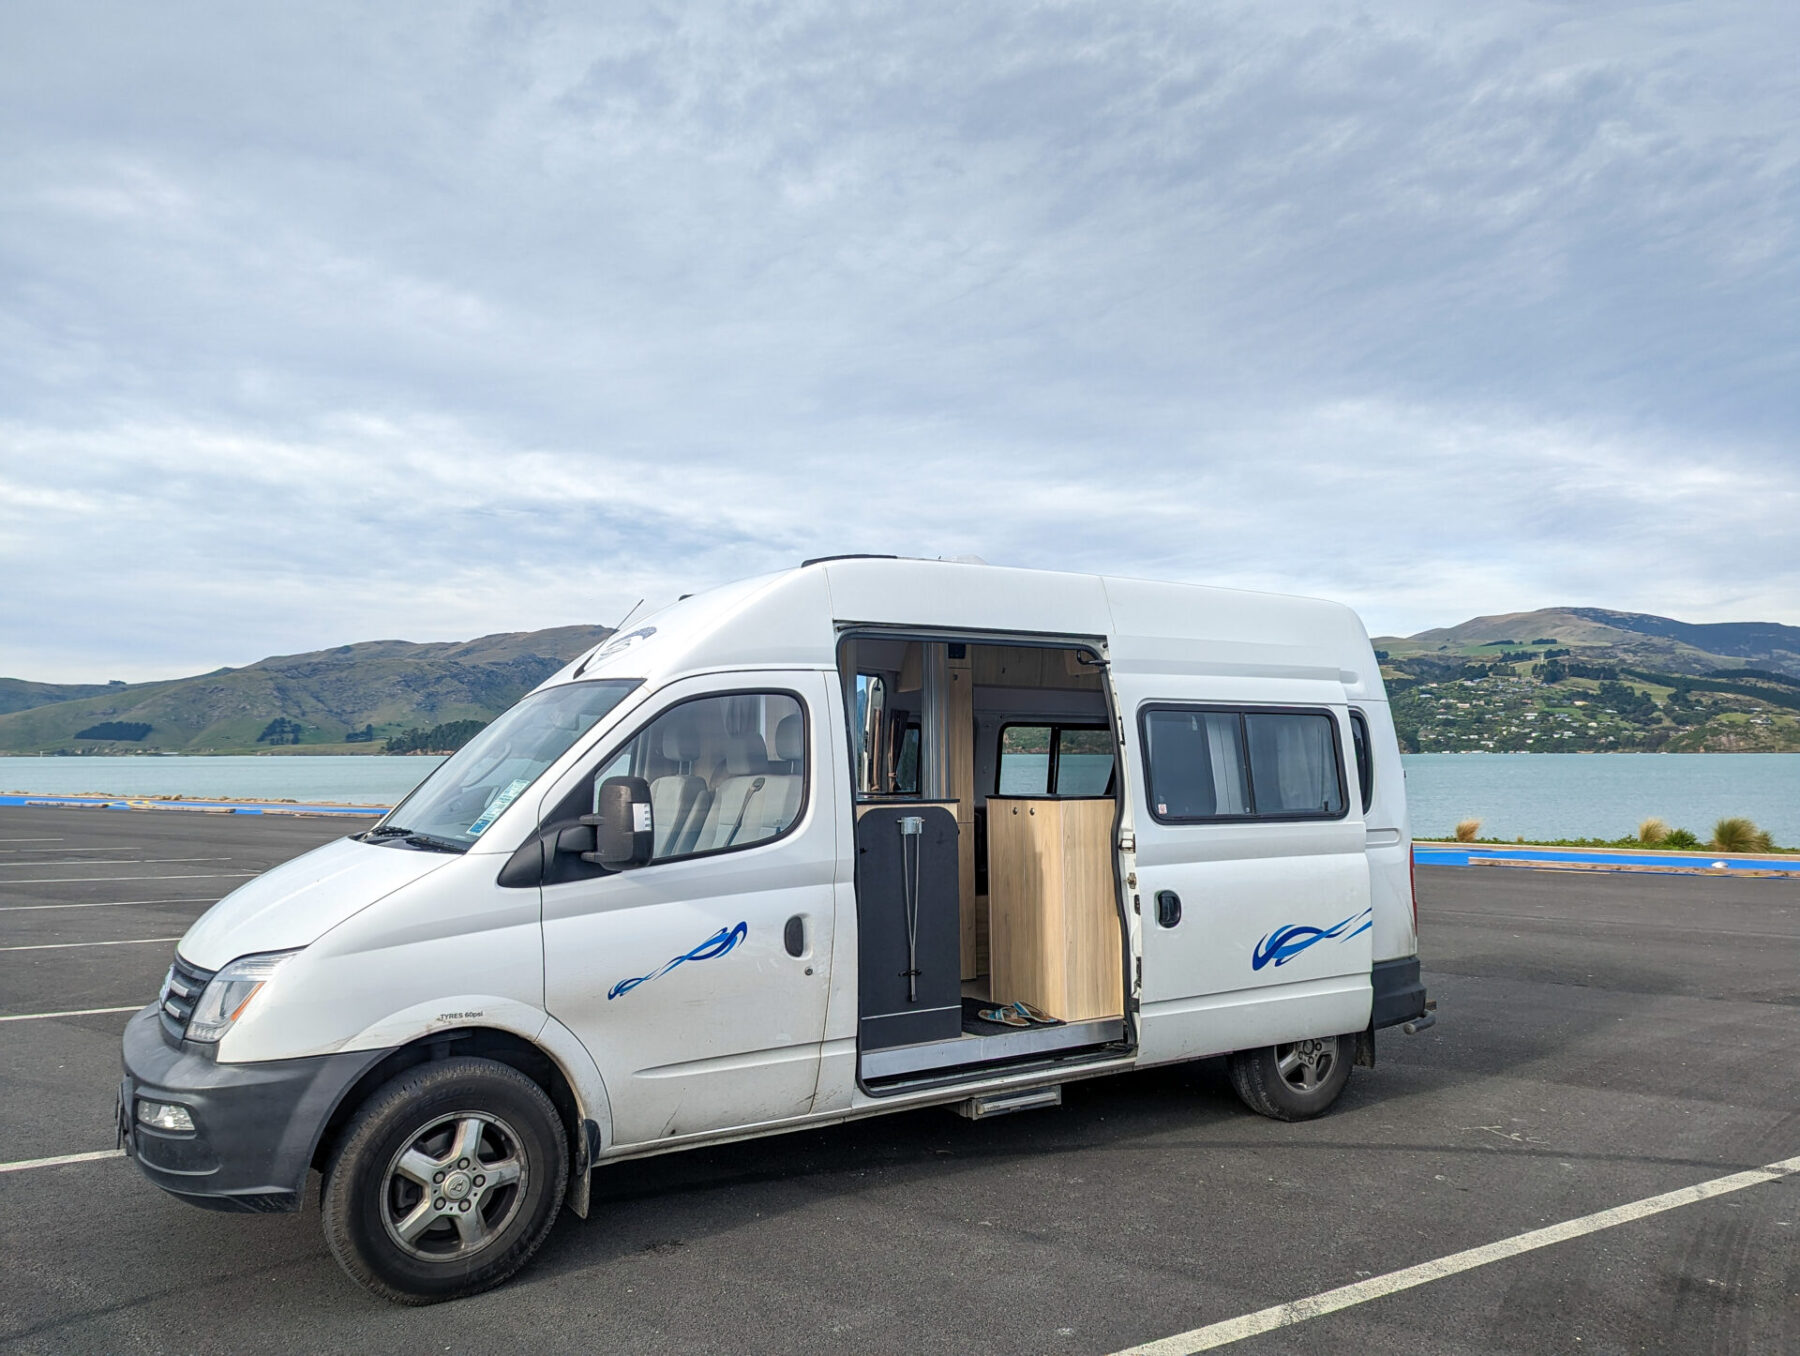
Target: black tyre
{"type": "Point", "coordinates": [446, 1181]}
{"type": "Point", "coordinates": [1293, 1082]}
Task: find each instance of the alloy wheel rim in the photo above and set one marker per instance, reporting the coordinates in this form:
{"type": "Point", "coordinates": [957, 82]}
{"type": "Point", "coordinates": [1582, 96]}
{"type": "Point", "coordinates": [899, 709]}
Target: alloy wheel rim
{"type": "Point", "coordinates": [454, 1186]}
{"type": "Point", "coordinates": [1304, 1065]}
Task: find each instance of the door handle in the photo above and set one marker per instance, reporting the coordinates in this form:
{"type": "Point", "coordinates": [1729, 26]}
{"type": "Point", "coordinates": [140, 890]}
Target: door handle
{"type": "Point", "coordinates": [1168, 908]}
{"type": "Point", "coordinates": [793, 936]}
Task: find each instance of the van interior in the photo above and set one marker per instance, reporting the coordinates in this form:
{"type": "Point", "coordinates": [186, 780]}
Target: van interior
{"type": "Point", "coordinates": [989, 921]}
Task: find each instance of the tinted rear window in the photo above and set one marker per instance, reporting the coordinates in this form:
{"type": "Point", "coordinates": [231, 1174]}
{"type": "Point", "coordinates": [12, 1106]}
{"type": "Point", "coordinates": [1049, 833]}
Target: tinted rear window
{"type": "Point", "coordinates": [1204, 763]}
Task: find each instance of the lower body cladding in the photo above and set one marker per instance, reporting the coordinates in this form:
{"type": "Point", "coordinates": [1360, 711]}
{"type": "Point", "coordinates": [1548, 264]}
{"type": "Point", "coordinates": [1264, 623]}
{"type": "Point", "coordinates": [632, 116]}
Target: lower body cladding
{"type": "Point", "coordinates": [1399, 993]}
{"type": "Point", "coordinates": [255, 1125]}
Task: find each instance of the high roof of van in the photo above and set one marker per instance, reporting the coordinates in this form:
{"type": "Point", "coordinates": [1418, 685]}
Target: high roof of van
{"type": "Point", "coordinates": [794, 619]}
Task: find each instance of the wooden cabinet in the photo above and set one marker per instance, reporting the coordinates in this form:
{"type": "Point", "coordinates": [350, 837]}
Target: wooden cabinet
{"type": "Point", "coordinates": [1053, 916]}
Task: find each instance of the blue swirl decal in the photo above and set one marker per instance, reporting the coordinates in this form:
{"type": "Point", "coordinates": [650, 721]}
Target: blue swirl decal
{"type": "Point", "coordinates": [1283, 944]}
{"type": "Point", "coordinates": [713, 947]}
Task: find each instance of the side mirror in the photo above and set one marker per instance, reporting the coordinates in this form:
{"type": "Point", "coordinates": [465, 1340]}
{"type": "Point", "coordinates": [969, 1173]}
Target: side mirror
{"type": "Point", "coordinates": [625, 835]}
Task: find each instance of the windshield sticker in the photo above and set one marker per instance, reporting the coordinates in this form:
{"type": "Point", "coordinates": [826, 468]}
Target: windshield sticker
{"type": "Point", "coordinates": [497, 804]}
{"type": "Point", "coordinates": [713, 947]}
{"type": "Point", "coordinates": [1283, 944]}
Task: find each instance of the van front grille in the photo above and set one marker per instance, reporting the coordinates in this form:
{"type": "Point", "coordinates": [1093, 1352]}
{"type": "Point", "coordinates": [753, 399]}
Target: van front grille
{"type": "Point", "coordinates": [181, 990]}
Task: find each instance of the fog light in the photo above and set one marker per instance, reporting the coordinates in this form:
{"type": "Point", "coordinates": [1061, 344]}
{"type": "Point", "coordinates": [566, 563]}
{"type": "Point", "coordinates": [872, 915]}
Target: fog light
{"type": "Point", "coordinates": [164, 1116]}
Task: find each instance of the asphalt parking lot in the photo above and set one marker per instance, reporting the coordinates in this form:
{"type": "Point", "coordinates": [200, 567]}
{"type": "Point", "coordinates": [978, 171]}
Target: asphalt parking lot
{"type": "Point", "coordinates": [1602, 1039]}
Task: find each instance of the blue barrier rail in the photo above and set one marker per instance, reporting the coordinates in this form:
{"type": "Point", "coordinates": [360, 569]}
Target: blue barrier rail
{"type": "Point", "coordinates": [1434, 854]}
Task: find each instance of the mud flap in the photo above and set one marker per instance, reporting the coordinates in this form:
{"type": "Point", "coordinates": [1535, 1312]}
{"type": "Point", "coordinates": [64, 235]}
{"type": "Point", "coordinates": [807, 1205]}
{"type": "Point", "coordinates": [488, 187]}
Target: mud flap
{"type": "Point", "coordinates": [1365, 1047]}
{"type": "Point", "coordinates": [587, 1148]}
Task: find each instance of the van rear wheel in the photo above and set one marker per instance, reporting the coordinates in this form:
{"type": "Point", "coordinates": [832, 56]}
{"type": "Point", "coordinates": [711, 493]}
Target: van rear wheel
{"type": "Point", "coordinates": [446, 1182]}
{"type": "Point", "coordinates": [1296, 1081]}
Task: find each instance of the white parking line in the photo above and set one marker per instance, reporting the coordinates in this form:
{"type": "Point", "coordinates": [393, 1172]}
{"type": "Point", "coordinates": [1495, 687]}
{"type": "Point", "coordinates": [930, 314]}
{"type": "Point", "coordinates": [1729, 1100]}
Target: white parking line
{"type": "Point", "coordinates": [122, 861]}
{"type": "Point", "coordinates": [49, 840]}
{"type": "Point", "coordinates": [1314, 1306]}
{"type": "Point", "coordinates": [82, 880]}
{"type": "Point", "coordinates": [73, 1012]}
{"type": "Point", "coordinates": [99, 904]}
{"type": "Point", "coordinates": [60, 1159]}
{"type": "Point", "coordinates": [70, 946]}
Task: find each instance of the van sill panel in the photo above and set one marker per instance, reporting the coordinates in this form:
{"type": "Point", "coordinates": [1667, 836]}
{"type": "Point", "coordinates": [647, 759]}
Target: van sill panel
{"type": "Point", "coordinates": [963, 1051]}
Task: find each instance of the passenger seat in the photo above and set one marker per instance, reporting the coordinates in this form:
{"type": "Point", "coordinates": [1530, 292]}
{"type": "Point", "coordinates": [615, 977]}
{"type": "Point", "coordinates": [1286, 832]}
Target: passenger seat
{"type": "Point", "coordinates": [679, 800]}
{"type": "Point", "coordinates": [755, 798]}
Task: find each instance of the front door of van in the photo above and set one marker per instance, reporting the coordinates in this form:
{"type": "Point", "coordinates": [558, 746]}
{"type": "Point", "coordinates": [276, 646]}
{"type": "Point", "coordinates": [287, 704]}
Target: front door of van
{"type": "Point", "coordinates": [699, 981]}
{"type": "Point", "coordinates": [1251, 873]}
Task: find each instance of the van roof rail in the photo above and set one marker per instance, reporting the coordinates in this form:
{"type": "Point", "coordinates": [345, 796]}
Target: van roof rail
{"type": "Point", "coordinates": [853, 555]}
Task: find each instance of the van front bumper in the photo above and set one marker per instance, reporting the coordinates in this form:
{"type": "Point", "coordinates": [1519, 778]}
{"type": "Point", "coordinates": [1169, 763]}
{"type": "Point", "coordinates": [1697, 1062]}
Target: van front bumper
{"type": "Point", "coordinates": [255, 1125]}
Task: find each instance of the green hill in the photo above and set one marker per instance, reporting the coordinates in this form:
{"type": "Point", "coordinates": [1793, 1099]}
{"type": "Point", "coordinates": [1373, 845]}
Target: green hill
{"type": "Point", "coordinates": [1585, 679]}
{"type": "Point", "coordinates": [18, 695]}
{"type": "Point", "coordinates": [301, 701]}
{"type": "Point", "coordinates": [1629, 637]}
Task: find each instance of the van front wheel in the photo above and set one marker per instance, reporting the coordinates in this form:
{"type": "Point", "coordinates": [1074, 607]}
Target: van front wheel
{"type": "Point", "coordinates": [1296, 1081]}
{"type": "Point", "coordinates": [446, 1182]}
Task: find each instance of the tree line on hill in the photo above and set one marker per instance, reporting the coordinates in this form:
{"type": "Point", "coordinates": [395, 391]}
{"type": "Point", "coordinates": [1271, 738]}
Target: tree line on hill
{"type": "Point", "coordinates": [446, 738]}
{"type": "Point", "coordinates": [132, 730]}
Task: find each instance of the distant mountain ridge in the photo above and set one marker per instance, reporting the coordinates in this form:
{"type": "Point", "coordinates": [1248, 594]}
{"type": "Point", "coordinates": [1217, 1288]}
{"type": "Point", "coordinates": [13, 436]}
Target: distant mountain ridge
{"type": "Point", "coordinates": [374, 689]}
{"type": "Point", "coordinates": [1641, 637]}
{"type": "Point", "coordinates": [371, 689]}
{"type": "Point", "coordinates": [17, 694]}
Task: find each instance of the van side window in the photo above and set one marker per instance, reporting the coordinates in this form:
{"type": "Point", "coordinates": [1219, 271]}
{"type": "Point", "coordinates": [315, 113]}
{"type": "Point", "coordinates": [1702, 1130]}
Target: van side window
{"type": "Point", "coordinates": [1055, 760]}
{"type": "Point", "coordinates": [868, 733]}
{"type": "Point", "coordinates": [1084, 762]}
{"type": "Point", "coordinates": [1025, 760]}
{"type": "Point", "coordinates": [1202, 763]}
{"type": "Point", "coordinates": [1196, 764]}
{"type": "Point", "coordinates": [724, 772]}
{"type": "Point", "coordinates": [1365, 758]}
{"type": "Point", "coordinates": [906, 762]}
{"type": "Point", "coordinates": [1294, 765]}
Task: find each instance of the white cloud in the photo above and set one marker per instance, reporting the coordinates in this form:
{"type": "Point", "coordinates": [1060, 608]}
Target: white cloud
{"type": "Point", "coordinates": [318, 326]}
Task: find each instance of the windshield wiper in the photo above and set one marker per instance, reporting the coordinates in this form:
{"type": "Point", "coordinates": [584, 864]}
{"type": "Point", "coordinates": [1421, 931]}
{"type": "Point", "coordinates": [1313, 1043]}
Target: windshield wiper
{"type": "Point", "coordinates": [413, 838]}
{"type": "Point", "coordinates": [432, 843]}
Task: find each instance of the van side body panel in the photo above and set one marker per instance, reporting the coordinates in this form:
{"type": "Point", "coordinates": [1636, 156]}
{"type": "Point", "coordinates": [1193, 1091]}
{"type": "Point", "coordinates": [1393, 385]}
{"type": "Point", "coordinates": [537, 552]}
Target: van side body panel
{"type": "Point", "coordinates": [1389, 840]}
{"type": "Point", "coordinates": [674, 974]}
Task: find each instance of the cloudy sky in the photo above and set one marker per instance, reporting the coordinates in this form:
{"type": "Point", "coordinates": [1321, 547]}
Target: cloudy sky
{"type": "Point", "coordinates": [321, 325]}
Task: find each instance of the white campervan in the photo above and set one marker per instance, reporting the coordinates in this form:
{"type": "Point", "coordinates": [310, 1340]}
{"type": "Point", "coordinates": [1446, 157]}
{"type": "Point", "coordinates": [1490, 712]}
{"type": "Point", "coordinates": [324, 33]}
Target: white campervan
{"type": "Point", "coordinates": [858, 837]}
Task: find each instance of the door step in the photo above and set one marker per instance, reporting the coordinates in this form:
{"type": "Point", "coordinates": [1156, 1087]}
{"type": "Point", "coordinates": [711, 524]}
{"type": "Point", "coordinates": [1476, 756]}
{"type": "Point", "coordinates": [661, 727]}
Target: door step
{"type": "Point", "coordinates": [1001, 1103]}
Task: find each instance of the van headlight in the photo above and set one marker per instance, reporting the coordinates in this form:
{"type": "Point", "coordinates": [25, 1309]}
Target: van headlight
{"type": "Point", "coordinates": [230, 993]}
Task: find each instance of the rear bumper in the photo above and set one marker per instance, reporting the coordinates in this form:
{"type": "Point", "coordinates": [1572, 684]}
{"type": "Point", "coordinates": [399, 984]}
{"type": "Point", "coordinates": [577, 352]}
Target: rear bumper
{"type": "Point", "coordinates": [1399, 992]}
{"type": "Point", "coordinates": [255, 1125]}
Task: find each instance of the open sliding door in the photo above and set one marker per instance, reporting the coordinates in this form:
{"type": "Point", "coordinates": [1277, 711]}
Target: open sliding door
{"type": "Point", "coordinates": [1250, 868]}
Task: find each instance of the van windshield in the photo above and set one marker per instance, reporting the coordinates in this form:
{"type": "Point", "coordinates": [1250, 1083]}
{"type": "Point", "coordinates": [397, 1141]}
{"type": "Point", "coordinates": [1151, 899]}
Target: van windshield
{"type": "Point", "coordinates": [465, 794]}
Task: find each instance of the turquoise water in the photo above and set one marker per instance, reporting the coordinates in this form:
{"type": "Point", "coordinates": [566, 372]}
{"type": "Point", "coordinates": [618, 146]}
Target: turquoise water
{"type": "Point", "coordinates": [1530, 795]}
{"type": "Point", "coordinates": [327, 778]}
{"type": "Point", "coordinates": [1574, 795]}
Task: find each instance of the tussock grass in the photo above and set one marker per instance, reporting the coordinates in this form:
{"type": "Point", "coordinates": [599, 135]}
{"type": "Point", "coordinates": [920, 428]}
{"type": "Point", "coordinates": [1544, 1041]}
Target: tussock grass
{"type": "Point", "coordinates": [1737, 834]}
{"type": "Point", "coordinates": [1679, 840]}
{"type": "Point", "coordinates": [1652, 831]}
{"type": "Point", "coordinates": [1467, 830]}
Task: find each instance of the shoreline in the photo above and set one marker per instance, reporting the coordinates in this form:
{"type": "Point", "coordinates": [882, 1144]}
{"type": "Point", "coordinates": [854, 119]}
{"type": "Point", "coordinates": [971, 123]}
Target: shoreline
{"type": "Point", "coordinates": [203, 804]}
{"type": "Point", "coordinates": [1426, 851]}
